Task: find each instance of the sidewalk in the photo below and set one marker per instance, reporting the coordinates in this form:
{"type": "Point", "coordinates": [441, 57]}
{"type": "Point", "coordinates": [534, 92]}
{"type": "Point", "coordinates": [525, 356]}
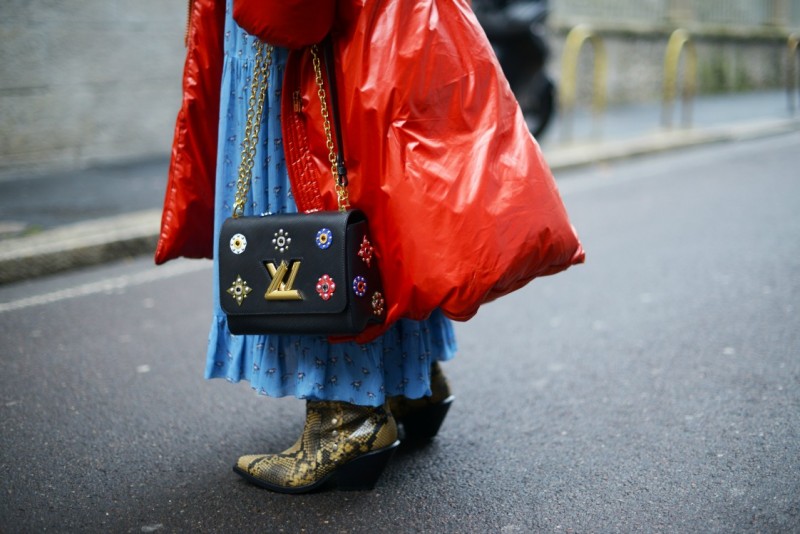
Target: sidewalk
{"type": "Point", "coordinates": [64, 220]}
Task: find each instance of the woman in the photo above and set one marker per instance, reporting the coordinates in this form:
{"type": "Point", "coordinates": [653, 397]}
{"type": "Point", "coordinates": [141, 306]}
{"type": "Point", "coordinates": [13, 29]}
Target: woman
{"type": "Point", "coordinates": [396, 113]}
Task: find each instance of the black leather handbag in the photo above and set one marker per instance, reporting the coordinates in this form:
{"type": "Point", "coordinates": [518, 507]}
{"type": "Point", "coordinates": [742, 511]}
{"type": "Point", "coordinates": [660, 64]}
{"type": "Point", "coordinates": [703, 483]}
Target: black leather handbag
{"type": "Point", "coordinates": [300, 273]}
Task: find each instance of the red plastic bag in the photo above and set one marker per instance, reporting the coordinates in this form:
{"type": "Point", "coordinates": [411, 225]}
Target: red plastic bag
{"type": "Point", "coordinates": [461, 203]}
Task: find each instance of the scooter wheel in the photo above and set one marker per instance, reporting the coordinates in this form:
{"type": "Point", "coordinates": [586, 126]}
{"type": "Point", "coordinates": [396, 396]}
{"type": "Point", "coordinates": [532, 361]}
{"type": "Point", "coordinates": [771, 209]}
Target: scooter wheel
{"type": "Point", "coordinates": [541, 104]}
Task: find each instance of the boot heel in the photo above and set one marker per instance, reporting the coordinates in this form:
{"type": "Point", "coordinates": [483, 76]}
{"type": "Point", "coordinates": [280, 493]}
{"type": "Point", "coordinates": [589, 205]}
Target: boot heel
{"type": "Point", "coordinates": [425, 424]}
{"type": "Point", "coordinates": [363, 472]}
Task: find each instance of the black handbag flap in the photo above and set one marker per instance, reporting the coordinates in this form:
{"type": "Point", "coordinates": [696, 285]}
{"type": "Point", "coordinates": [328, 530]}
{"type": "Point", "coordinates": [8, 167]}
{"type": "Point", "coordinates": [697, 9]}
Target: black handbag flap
{"type": "Point", "coordinates": [290, 263]}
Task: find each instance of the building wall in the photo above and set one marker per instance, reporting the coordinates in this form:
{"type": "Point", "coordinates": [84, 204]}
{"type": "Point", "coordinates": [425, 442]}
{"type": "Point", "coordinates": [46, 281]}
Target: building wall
{"type": "Point", "coordinates": [741, 44]}
{"type": "Point", "coordinates": [88, 81]}
{"type": "Point", "coordinates": [84, 82]}
{"type": "Point", "coordinates": [730, 13]}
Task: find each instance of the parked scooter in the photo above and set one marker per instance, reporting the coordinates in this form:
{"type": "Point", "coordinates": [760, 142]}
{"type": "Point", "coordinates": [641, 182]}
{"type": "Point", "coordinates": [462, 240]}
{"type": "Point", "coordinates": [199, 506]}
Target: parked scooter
{"type": "Point", "coordinates": [516, 30]}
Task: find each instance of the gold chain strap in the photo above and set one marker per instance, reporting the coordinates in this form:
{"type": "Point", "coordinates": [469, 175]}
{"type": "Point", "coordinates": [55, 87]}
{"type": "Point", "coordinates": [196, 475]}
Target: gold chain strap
{"type": "Point", "coordinates": [255, 110]}
{"type": "Point", "coordinates": [341, 189]}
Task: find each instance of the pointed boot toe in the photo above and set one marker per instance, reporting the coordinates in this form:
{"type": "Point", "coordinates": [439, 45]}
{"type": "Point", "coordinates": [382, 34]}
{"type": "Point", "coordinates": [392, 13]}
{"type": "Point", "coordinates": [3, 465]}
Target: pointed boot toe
{"type": "Point", "coordinates": [342, 444]}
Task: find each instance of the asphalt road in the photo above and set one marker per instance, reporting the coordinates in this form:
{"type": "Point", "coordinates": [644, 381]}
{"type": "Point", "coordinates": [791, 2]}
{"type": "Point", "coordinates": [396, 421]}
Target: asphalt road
{"type": "Point", "coordinates": [654, 389]}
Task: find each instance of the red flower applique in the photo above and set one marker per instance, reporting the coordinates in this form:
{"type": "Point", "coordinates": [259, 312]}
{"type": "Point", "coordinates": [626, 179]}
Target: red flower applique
{"type": "Point", "coordinates": [325, 287]}
{"type": "Point", "coordinates": [366, 251]}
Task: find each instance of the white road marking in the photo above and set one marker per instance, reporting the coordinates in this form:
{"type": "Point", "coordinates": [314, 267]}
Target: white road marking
{"type": "Point", "coordinates": [108, 285]}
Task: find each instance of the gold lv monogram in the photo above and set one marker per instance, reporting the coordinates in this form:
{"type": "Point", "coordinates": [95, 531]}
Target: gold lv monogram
{"type": "Point", "coordinates": [281, 288]}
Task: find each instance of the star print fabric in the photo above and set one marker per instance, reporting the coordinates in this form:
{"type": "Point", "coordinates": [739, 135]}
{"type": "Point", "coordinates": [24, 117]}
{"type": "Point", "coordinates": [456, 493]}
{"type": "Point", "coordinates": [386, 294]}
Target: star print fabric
{"type": "Point", "coordinates": [308, 367]}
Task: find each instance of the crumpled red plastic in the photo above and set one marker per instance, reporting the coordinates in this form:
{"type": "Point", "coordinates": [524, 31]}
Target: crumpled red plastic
{"type": "Point", "coordinates": [461, 204]}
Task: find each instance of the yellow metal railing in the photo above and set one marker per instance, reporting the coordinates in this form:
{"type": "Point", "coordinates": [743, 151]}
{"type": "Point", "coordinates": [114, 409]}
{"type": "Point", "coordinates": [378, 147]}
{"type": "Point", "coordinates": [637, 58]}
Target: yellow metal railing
{"type": "Point", "coordinates": [792, 71]}
{"type": "Point", "coordinates": [679, 41]}
{"type": "Point", "coordinates": [576, 38]}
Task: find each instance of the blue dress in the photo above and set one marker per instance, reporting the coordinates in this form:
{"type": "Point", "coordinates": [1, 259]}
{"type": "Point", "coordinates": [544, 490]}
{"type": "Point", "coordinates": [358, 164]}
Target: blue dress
{"type": "Point", "coordinates": [307, 367]}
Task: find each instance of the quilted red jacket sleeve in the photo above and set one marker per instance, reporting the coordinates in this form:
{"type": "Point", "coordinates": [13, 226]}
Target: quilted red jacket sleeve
{"type": "Point", "coordinates": [187, 222]}
{"type": "Point", "coordinates": [286, 23]}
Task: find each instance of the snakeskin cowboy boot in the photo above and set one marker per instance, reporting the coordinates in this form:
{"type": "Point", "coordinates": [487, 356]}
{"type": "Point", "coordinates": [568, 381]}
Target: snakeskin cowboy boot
{"type": "Point", "coordinates": [342, 444]}
{"type": "Point", "coordinates": [421, 418]}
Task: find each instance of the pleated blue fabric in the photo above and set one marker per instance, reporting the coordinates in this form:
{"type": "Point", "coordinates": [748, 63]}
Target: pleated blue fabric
{"type": "Point", "coordinates": [306, 367]}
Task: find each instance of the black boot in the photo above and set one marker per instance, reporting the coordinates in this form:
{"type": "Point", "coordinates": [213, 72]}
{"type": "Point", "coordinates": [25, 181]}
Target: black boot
{"type": "Point", "coordinates": [422, 418]}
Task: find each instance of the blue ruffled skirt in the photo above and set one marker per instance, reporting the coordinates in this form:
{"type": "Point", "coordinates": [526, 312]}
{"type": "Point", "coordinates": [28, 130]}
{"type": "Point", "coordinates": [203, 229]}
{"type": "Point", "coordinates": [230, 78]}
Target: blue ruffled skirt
{"type": "Point", "coordinates": [307, 367]}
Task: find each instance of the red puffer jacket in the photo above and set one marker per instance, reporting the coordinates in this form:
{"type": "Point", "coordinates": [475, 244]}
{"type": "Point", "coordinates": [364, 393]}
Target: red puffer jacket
{"type": "Point", "coordinates": [187, 222]}
{"type": "Point", "coordinates": [461, 204]}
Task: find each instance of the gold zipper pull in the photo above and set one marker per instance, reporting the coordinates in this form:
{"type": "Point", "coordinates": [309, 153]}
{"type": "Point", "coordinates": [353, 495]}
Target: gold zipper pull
{"type": "Point", "coordinates": [297, 102]}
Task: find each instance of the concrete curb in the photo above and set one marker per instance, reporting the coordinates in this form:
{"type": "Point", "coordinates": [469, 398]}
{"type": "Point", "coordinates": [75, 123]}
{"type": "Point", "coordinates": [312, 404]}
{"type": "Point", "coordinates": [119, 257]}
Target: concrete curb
{"type": "Point", "coordinates": [579, 155]}
{"type": "Point", "coordinates": [134, 234]}
{"type": "Point", "coordinates": [79, 245]}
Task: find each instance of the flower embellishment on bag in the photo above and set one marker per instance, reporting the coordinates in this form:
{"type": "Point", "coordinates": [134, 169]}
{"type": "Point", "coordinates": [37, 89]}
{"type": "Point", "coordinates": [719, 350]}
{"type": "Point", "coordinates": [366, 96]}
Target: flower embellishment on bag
{"type": "Point", "coordinates": [366, 250]}
{"type": "Point", "coordinates": [324, 238]}
{"type": "Point", "coordinates": [378, 303]}
{"type": "Point", "coordinates": [325, 287]}
{"type": "Point", "coordinates": [282, 240]}
{"type": "Point", "coordinates": [238, 243]}
{"type": "Point", "coordinates": [360, 286]}
{"type": "Point", "coordinates": [239, 290]}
